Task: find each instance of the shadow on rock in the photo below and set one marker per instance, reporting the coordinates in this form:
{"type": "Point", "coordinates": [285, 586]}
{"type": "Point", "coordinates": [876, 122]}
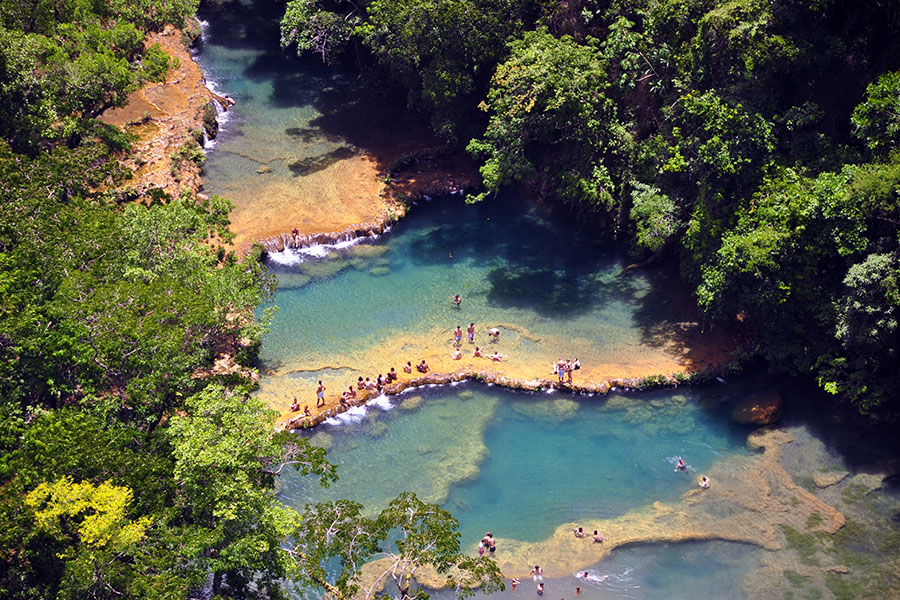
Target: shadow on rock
{"type": "Point", "coordinates": [310, 165]}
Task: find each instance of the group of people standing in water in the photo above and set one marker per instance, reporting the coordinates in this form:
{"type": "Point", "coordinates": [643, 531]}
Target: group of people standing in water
{"type": "Point", "coordinates": [456, 351]}
{"type": "Point", "coordinates": [563, 368]}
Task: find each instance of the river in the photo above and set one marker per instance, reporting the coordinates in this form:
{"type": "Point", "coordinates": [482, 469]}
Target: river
{"type": "Point", "coordinates": [531, 466]}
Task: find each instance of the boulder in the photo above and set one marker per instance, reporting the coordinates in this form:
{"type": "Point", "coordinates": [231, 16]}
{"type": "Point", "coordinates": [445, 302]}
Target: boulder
{"type": "Point", "coordinates": [763, 408]}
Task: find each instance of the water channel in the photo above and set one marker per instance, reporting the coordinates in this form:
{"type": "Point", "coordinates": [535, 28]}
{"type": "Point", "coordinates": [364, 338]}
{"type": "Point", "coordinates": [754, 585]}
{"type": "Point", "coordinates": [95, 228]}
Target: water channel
{"type": "Point", "coordinates": [526, 466]}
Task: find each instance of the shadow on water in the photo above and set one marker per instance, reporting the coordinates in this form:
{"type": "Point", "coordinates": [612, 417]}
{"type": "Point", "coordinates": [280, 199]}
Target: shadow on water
{"type": "Point", "coordinates": [547, 292]}
{"type": "Point", "coordinates": [308, 135]}
{"type": "Point", "coordinates": [539, 260]}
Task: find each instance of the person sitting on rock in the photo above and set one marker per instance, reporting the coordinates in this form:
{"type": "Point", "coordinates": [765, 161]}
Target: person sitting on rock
{"type": "Point", "coordinates": [598, 537]}
{"type": "Point", "coordinates": [704, 482]}
{"type": "Point", "coordinates": [455, 353]}
{"type": "Point", "coordinates": [306, 411]}
{"type": "Point", "coordinates": [423, 366]}
{"type": "Point", "coordinates": [496, 356]}
{"type": "Point", "coordinates": [579, 533]}
{"type": "Point", "coordinates": [295, 405]}
{"type": "Point", "coordinates": [351, 393]}
{"type": "Point", "coordinates": [407, 368]}
{"type": "Point", "coordinates": [477, 353]}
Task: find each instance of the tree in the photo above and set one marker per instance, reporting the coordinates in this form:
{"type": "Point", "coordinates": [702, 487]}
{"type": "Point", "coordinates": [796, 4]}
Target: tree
{"type": "Point", "coordinates": [655, 216]}
{"type": "Point", "coordinates": [227, 456]}
{"type": "Point", "coordinates": [310, 28]}
{"type": "Point", "coordinates": [867, 366]}
{"type": "Point", "coordinates": [92, 519]}
{"type": "Point", "coordinates": [780, 266]}
{"type": "Point", "coordinates": [551, 123]}
{"type": "Point", "coordinates": [877, 118]}
{"type": "Point", "coordinates": [407, 536]}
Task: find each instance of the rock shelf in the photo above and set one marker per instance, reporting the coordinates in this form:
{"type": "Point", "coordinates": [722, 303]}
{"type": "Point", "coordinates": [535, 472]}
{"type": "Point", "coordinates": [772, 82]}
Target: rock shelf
{"type": "Point", "coordinates": [488, 376]}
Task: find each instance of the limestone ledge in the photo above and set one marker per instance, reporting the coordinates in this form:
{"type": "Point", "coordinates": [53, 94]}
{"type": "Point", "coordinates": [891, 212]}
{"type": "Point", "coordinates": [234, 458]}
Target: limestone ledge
{"type": "Point", "coordinates": [750, 500]}
{"type": "Point", "coordinates": [411, 194]}
{"type": "Point", "coordinates": [489, 376]}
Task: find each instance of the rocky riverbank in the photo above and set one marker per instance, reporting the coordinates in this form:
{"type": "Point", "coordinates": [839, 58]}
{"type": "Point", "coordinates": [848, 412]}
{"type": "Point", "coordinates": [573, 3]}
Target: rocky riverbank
{"type": "Point", "coordinates": [170, 120]}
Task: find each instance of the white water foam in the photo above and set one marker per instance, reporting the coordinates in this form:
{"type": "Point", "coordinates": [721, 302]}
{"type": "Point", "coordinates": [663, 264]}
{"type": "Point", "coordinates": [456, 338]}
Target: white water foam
{"type": "Point", "coordinates": [294, 256]}
{"type": "Point", "coordinates": [383, 402]}
{"type": "Point", "coordinates": [354, 415]}
{"type": "Point", "coordinates": [222, 115]}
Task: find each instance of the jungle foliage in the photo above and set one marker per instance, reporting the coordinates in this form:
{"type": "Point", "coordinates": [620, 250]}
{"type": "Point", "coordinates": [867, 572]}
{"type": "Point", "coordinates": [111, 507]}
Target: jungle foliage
{"type": "Point", "coordinates": [756, 141]}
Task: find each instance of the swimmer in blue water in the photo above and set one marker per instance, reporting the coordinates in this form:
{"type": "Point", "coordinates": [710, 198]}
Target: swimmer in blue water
{"type": "Point", "coordinates": [680, 466]}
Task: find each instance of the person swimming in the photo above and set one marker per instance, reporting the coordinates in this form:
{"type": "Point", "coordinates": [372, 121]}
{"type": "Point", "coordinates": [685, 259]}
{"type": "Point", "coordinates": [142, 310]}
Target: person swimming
{"type": "Point", "coordinates": [496, 356]}
{"type": "Point", "coordinates": [514, 582]}
{"type": "Point", "coordinates": [540, 589]}
{"type": "Point", "coordinates": [455, 300]}
{"type": "Point", "coordinates": [680, 465]}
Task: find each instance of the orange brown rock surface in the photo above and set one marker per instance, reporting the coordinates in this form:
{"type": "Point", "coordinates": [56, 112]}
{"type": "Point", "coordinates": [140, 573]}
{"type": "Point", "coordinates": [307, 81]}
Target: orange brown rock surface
{"type": "Point", "coordinates": [164, 116]}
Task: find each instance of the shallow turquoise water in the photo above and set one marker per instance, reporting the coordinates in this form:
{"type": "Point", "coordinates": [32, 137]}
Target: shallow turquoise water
{"type": "Point", "coordinates": [521, 464]}
{"type": "Point", "coordinates": [509, 260]}
{"type": "Point", "coordinates": [685, 571]}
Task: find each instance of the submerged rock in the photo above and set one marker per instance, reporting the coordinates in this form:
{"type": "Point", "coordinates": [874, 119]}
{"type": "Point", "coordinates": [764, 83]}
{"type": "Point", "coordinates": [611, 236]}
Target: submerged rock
{"type": "Point", "coordinates": [763, 408]}
{"type": "Point", "coordinates": [411, 403]}
{"type": "Point", "coordinates": [366, 251]}
{"type": "Point", "coordinates": [829, 478]}
{"type": "Point", "coordinates": [322, 440]}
